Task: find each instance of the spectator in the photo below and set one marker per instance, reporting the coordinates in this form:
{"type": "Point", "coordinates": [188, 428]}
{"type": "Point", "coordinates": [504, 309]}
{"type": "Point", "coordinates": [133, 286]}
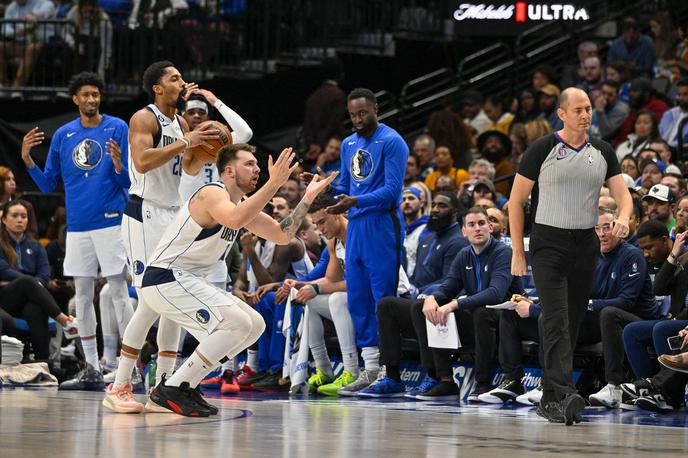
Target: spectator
{"type": "Point", "coordinates": [60, 286]}
{"type": "Point", "coordinates": [660, 205]}
{"type": "Point", "coordinates": [58, 220]}
{"type": "Point", "coordinates": [622, 294]}
{"type": "Point", "coordinates": [471, 104]}
{"type": "Point", "coordinates": [496, 148]}
{"type": "Point", "coordinates": [291, 190]}
{"type": "Point", "coordinates": [152, 14]}
{"type": "Point", "coordinates": [634, 222]}
{"type": "Point", "coordinates": [537, 128]}
{"type": "Point", "coordinates": [542, 76]}
{"type": "Point", "coordinates": [414, 224]}
{"type": "Point", "coordinates": [633, 48]}
{"type": "Point", "coordinates": [500, 224]}
{"type": "Point", "coordinates": [444, 167]}
{"type": "Point", "coordinates": [447, 128]}
{"type": "Point", "coordinates": [412, 169]}
{"type": "Point", "coordinates": [434, 259]}
{"type": "Point", "coordinates": [528, 107]}
{"type": "Point", "coordinates": [681, 215]}
{"type": "Point", "coordinates": [672, 118]}
{"type": "Point", "coordinates": [500, 119]}
{"type": "Point", "coordinates": [23, 40]}
{"type": "Point", "coordinates": [592, 77]}
{"type": "Point", "coordinates": [644, 131]}
{"type": "Point", "coordinates": [618, 71]}
{"type": "Point", "coordinates": [8, 192]}
{"type": "Point", "coordinates": [665, 40]}
{"type": "Point", "coordinates": [629, 166]}
{"type": "Point", "coordinates": [25, 274]}
{"type": "Point", "coordinates": [93, 43]}
{"type": "Point", "coordinates": [609, 113]}
{"type": "Point", "coordinates": [573, 74]}
{"type": "Point", "coordinates": [480, 169]}
{"type": "Point", "coordinates": [653, 239]}
{"type": "Point", "coordinates": [325, 110]}
{"type": "Point", "coordinates": [424, 148]}
{"type": "Point", "coordinates": [642, 98]}
{"type": "Point", "coordinates": [549, 100]}
{"type": "Point", "coordinates": [329, 160]}
{"type": "Point", "coordinates": [491, 284]}
{"type": "Point", "coordinates": [426, 196]}
{"type": "Point", "coordinates": [651, 172]}
{"type": "Point", "coordinates": [676, 183]}
{"type": "Point", "coordinates": [666, 154]}
{"type": "Point", "coordinates": [519, 142]}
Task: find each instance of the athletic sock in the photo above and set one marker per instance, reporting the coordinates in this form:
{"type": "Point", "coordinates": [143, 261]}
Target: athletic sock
{"type": "Point", "coordinates": [393, 372]}
{"type": "Point", "coordinates": [110, 343]}
{"type": "Point", "coordinates": [228, 365]}
{"type": "Point", "coordinates": [90, 347]}
{"type": "Point", "coordinates": [371, 358]}
{"type": "Point", "coordinates": [350, 360]}
{"type": "Point", "coordinates": [165, 365]}
{"type": "Point", "coordinates": [322, 361]}
{"type": "Point", "coordinates": [252, 359]}
{"type": "Point", "coordinates": [125, 367]}
{"type": "Point", "coordinates": [192, 368]}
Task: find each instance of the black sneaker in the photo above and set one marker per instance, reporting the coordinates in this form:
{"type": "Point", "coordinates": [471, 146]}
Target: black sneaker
{"type": "Point", "coordinates": [642, 387]}
{"type": "Point", "coordinates": [246, 383]}
{"type": "Point", "coordinates": [509, 390]}
{"type": "Point", "coordinates": [198, 397]}
{"type": "Point", "coordinates": [87, 379]}
{"type": "Point", "coordinates": [551, 411]}
{"type": "Point", "coordinates": [443, 391]}
{"type": "Point", "coordinates": [478, 390]}
{"type": "Point", "coordinates": [654, 403]}
{"type": "Point", "coordinates": [572, 406]}
{"type": "Point", "coordinates": [272, 382]}
{"type": "Point", "coordinates": [180, 400]}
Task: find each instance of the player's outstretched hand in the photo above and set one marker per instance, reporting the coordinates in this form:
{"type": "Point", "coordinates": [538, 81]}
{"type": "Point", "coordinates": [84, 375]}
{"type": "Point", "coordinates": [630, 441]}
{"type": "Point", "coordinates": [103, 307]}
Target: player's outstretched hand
{"type": "Point", "coordinates": [34, 137]}
{"type": "Point", "coordinates": [344, 203]}
{"type": "Point", "coordinates": [201, 135]}
{"type": "Point", "coordinates": [281, 169]}
{"type": "Point", "coordinates": [307, 177]}
{"type": "Point", "coordinates": [317, 185]}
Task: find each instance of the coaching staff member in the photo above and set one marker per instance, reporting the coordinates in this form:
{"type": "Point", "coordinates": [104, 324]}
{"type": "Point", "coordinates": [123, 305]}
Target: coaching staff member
{"type": "Point", "coordinates": [564, 171]}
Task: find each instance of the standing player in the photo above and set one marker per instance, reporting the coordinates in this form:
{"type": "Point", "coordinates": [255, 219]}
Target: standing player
{"type": "Point", "coordinates": [159, 140]}
{"type": "Point", "coordinates": [564, 171]}
{"type": "Point", "coordinates": [174, 283]}
{"type": "Point", "coordinates": [373, 164]}
{"type": "Point", "coordinates": [88, 154]}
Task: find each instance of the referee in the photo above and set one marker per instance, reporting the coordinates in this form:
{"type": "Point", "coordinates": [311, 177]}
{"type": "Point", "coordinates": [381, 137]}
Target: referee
{"type": "Point", "coordinates": [564, 172]}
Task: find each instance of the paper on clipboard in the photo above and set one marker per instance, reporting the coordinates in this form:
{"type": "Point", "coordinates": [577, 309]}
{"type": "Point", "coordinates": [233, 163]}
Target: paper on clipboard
{"type": "Point", "coordinates": [444, 336]}
{"type": "Point", "coordinates": [503, 306]}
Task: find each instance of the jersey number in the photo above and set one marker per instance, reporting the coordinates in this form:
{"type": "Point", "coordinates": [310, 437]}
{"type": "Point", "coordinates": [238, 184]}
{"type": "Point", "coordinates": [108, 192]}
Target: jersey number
{"type": "Point", "coordinates": [209, 175]}
{"type": "Point", "coordinates": [177, 166]}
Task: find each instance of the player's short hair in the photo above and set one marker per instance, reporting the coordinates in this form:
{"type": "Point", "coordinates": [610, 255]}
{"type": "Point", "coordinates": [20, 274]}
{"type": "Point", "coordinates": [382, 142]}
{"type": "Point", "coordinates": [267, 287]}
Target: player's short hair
{"type": "Point", "coordinates": [228, 153]}
{"type": "Point", "coordinates": [364, 93]}
{"type": "Point", "coordinates": [322, 201]}
{"type": "Point", "coordinates": [85, 79]}
{"type": "Point", "coordinates": [476, 211]}
{"type": "Point", "coordinates": [153, 74]}
{"type": "Point", "coordinates": [453, 200]}
{"type": "Point", "coordinates": [654, 229]}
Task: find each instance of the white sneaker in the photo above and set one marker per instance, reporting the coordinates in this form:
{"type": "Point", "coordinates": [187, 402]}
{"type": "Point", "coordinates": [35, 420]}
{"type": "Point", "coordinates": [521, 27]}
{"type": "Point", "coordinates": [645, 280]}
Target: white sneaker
{"type": "Point", "coordinates": [68, 350]}
{"type": "Point", "coordinates": [109, 377]}
{"type": "Point", "coordinates": [531, 397]}
{"type": "Point", "coordinates": [609, 396]}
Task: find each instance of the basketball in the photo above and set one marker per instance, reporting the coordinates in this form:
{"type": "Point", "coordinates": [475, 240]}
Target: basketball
{"type": "Point", "coordinates": [208, 151]}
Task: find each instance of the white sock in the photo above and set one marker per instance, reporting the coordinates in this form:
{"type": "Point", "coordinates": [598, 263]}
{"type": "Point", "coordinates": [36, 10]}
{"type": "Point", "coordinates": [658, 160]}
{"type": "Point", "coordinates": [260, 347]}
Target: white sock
{"type": "Point", "coordinates": [124, 369]}
{"type": "Point", "coordinates": [213, 348]}
{"type": "Point", "coordinates": [252, 359]}
{"type": "Point", "coordinates": [91, 352]}
{"type": "Point", "coordinates": [371, 358]}
{"type": "Point", "coordinates": [228, 365]}
{"type": "Point", "coordinates": [165, 366]}
{"type": "Point", "coordinates": [188, 371]}
{"type": "Point", "coordinates": [322, 361]}
{"type": "Point", "coordinates": [350, 360]}
{"type": "Point", "coordinates": [110, 343]}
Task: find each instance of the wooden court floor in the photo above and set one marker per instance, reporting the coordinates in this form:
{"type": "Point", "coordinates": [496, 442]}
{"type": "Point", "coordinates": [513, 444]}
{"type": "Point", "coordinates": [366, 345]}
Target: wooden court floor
{"type": "Point", "coordinates": [52, 424]}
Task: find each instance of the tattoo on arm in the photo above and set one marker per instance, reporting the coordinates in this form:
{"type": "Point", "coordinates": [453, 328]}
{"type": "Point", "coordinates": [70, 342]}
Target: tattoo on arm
{"type": "Point", "coordinates": [290, 224]}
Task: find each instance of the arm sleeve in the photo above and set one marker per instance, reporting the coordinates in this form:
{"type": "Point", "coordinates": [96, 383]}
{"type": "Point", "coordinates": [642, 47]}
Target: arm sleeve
{"type": "Point", "coordinates": [633, 273]}
{"type": "Point", "coordinates": [47, 180]}
{"type": "Point", "coordinates": [395, 165]}
{"type": "Point", "coordinates": [500, 280]}
{"type": "Point", "coordinates": [532, 160]}
{"type": "Point", "coordinates": [42, 265]}
{"type": "Point", "coordinates": [241, 131]}
{"type": "Point", "coordinates": [319, 269]}
{"type": "Point", "coordinates": [452, 284]}
{"type": "Point", "coordinates": [613, 167]}
{"type": "Point", "coordinates": [122, 138]}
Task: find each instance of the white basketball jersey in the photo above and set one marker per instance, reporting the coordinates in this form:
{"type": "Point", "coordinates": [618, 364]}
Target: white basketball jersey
{"type": "Point", "coordinates": [340, 253]}
{"type": "Point", "coordinates": [160, 185]}
{"type": "Point", "coordinates": [303, 266]}
{"type": "Point", "coordinates": [190, 247]}
{"type": "Point", "coordinates": [190, 184]}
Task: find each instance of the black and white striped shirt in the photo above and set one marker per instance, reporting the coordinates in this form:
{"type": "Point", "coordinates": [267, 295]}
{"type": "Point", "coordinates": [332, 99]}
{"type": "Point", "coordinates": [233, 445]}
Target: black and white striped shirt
{"type": "Point", "coordinates": [567, 180]}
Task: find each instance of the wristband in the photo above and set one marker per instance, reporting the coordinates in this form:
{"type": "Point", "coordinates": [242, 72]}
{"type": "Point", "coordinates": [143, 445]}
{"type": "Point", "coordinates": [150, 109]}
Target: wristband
{"type": "Point", "coordinates": [316, 287]}
{"type": "Point", "coordinates": [186, 141]}
{"type": "Point", "coordinates": [672, 256]}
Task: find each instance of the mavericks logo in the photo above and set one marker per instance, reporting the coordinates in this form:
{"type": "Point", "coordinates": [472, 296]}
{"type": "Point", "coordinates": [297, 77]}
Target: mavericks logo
{"type": "Point", "coordinates": [202, 316]}
{"type": "Point", "coordinates": [87, 154]}
{"type": "Point", "coordinates": [361, 165]}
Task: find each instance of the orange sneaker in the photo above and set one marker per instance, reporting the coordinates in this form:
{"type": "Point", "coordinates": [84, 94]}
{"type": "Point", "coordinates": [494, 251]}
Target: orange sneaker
{"type": "Point", "coordinates": [121, 400]}
{"type": "Point", "coordinates": [229, 384]}
{"type": "Point", "coordinates": [212, 383]}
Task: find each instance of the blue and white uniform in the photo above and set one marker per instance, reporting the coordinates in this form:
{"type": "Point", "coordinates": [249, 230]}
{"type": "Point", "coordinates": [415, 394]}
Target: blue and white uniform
{"type": "Point", "coordinates": [373, 171]}
{"type": "Point", "coordinates": [154, 198]}
{"type": "Point", "coordinates": [95, 194]}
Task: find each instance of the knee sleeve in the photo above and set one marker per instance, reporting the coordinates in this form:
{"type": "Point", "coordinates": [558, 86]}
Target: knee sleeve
{"type": "Point", "coordinates": [121, 306]}
{"type": "Point", "coordinates": [86, 314]}
{"type": "Point", "coordinates": [108, 320]}
{"type": "Point", "coordinates": [168, 335]}
{"type": "Point", "coordinates": [140, 323]}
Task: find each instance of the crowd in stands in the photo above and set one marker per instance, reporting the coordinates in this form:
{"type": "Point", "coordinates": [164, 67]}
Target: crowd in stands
{"type": "Point", "coordinates": [457, 247]}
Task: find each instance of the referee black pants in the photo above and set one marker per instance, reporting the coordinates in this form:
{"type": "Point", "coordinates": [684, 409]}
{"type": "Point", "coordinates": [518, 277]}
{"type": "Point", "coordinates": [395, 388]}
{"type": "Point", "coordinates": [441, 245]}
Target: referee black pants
{"type": "Point", "coordinates": [563, 263]}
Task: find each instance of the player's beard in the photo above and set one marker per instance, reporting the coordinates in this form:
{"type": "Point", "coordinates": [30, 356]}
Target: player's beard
{"type": "Point", "coordinates": [181, 102]}
{"type": "Point", "coordinates": [437, 223]}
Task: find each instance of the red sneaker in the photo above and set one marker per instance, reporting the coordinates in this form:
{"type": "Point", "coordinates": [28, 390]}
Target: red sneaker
{"type": "Point", "coordinates": [212, 383]}
{"type": "Point", "coordinates": [229, 383]}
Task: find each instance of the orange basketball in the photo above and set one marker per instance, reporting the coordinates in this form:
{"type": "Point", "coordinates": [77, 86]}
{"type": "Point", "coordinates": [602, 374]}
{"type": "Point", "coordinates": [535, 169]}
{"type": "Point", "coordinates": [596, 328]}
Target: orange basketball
{"type": "Point", "coordinates": [208, 151]}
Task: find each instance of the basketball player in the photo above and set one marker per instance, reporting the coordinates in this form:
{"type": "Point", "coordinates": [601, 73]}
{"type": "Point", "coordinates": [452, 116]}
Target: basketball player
{"type": "Point", "coordinates": [370, 190]}
{"type": "Point", "coordinates": [159, 140]}
{"type": "Point", "coordinates": [89, 155]}
{"type": "Point", "coordinates": [174, 282]}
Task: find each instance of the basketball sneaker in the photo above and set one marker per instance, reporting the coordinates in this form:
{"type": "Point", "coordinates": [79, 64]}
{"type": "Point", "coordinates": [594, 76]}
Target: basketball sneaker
{"type": "Point", "coordinates": [654, 403]}
{"type": "Point", "coordinates": [176, 399]}
{"type": "Point", "coordinates": [272, 382]}
{"type": "Point", "coordinates": [248, 377]}
{"type": "Point", "coordinates": [551, 411]}
{"type": "Point", "coordinates": [509, 390]}
{"type": "Point", "coordinates": [87, 379]}
{"type": "Point", "coordinates": [332, 389]}
{"type": "Point", "coordinates": [531, 397]}
{"type": "Point", "coordinates": [638, 388]}
{"type": "Point", "coordinates": [442, 391]}
{"type": "Point", "coordinates": [228, 383]}
{"type": "Point", "coordinates": [198, 397]}
{"type": "Point", "coordinates": [427, 383]}
{"type": "Point", "coordinates": [383, 388]}
{"type": "Point", "coordinates": [317, 380]}
{"type": "Point", "coordinates": [70, 330]}
{"type": "Point", "coordinates": [212, 383]}
{"type": "Point", "coordinates": [364, 380]}
{"type": "Point", "coordinates": [609, 396]}
{"type": "Point", "coordinates": [121, 400]}
{"type": "Point", "coordinates": [478, 390]}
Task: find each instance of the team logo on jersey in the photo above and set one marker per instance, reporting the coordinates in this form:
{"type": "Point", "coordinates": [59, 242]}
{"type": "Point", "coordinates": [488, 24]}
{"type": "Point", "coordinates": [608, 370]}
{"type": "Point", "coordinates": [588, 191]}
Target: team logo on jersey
{"type": "Point", "coordinates": [590, 159]}
{"type": "Point", "coordinates": [562, 153]}
{"type": "Point", "coordinates": [87, 154]}
{"type": "Point", "coordinates": [139, 267]}
{"type": "Point", "coordinates": [361, 165]}
{"type": "Point", "coordinates": [202, 316]}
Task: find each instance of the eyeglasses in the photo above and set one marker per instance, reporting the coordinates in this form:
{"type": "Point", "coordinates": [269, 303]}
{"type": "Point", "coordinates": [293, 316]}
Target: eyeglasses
{"type": "Point", "coordinates": [604, 229]}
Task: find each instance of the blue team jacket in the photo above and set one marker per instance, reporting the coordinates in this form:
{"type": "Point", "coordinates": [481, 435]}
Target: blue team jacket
{"type": "Point", "coordinates": [485, 278]}
{"type": "Point", "coordinates": [622, 280]}
{"type": "Point", "coordinates": [436, 252]}
{"type": "Point", "coordinates": [33, 261]}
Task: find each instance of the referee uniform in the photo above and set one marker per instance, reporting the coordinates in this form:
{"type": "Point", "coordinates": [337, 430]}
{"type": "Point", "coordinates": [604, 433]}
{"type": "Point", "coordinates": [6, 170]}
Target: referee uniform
{"type": "Point", "coordinates": [563, 244]}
